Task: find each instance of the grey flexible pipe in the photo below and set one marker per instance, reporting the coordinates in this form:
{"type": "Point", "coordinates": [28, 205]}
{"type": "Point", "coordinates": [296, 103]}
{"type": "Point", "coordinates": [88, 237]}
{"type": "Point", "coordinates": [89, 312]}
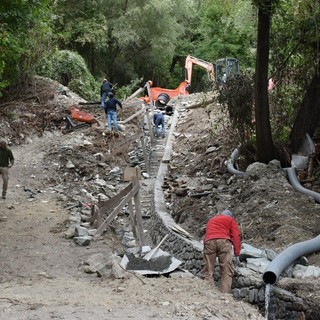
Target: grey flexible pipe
{"type": "Point", "coordinates": [230, 164]}
{"type": "Point", "coordinates": [289, 255]}
{"type": "Point", "coordinates": [286, 257]}
{"type": "Point", "coordinates": [298, 187]}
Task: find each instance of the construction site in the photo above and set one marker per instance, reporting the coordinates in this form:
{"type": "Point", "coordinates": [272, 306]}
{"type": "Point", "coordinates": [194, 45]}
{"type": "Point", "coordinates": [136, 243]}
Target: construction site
{"type": "Point", "coordinates": [102, 224]}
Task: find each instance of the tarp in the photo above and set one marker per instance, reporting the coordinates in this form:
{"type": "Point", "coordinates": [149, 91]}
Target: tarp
{"type": "Point", "coordinates": [171, 263]}
{"type": "Point", "coordinates": [81, 116]}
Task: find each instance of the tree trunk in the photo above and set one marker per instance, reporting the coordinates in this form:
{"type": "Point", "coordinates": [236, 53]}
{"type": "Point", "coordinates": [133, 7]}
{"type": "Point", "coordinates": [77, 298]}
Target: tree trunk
{"type": "Point", "coordinates": [265, 145]}
{"type": "Point", "coordinates": [308, 115]}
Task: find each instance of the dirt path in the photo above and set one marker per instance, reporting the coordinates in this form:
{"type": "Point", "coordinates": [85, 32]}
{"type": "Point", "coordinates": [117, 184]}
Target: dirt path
{"type": "Point", "coordinates": [41, 273]}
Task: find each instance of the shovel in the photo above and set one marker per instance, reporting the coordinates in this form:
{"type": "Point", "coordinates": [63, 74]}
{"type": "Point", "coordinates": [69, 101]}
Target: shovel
{"type": "Point", "coordinates": [151, 253]}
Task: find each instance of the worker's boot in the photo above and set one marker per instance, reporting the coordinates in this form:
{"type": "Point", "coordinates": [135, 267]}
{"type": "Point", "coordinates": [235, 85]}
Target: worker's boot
{"type": "Point", "coordinates": [3, 195]}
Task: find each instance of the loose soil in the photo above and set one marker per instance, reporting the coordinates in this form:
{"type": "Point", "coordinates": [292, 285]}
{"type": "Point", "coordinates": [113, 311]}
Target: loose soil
{"type": "Point", "coordinates": [42, 273]}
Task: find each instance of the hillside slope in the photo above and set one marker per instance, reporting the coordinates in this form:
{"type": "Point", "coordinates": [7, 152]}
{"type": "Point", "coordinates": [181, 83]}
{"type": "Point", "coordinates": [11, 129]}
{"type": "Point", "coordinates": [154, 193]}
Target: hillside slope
{"type": "Point", "coordinates": [43, 273]}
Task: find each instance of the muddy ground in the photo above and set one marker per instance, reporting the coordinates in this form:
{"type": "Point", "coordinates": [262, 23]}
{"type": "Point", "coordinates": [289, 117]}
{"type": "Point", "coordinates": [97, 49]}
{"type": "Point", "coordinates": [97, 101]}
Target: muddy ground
{"type": "Point", "coordinates": [42, 273]}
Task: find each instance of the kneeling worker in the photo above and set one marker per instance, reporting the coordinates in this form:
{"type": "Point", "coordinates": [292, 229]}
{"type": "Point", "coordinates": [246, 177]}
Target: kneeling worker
{"type": "Point", "coordinates": [158, 119]}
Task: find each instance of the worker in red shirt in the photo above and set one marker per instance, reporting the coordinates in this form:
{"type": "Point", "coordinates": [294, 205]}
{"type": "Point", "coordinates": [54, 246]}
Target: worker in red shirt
{"type": "Point", "coordinates": [222, 232]}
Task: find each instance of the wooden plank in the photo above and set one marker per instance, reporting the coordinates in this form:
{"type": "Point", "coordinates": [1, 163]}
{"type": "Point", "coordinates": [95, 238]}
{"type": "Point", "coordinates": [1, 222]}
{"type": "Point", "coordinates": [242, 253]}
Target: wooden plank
{"type": "Point", "coordinates": [150, 127]}
{"type": "Point", "coordinates": [99, 218]}
{"type": "Point", "coordinates": [132, 116]}
{"type": "Point", "coordinates": [130, 172]}
{"type": "Point", "coordinates": [95, 219]}
{"type": "Point", "coordinates": [137, 205]}
{"type": "Point", "coordinates": [129, 140]}
{"type": "Point", "coordinates": [109, 204]}
{"type": "Point", "coordinates": [132, 219]}
{"type": "Point", "coordinates": [134, 94]}
{"type": "Point", "coordinates": [114, 213]}
{"type": "Point", "coordinates": [147, 111]}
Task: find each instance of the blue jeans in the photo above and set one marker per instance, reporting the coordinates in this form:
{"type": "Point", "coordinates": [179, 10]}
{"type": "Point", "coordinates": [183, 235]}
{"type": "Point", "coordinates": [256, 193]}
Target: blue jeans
{"type": "Point", "coordinates": [112, 117]}
{"type": "Point", "coordinates": [158, 122]}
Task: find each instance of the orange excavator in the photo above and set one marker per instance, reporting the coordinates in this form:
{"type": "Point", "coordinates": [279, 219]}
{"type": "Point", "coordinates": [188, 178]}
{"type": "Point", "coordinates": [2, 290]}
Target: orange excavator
{"type": "Point", "coordinates": [161, 96]}
{"type": "Point", "coordinates": [225, 68]}
{"type": "Point", "coordinates": [217, 73]}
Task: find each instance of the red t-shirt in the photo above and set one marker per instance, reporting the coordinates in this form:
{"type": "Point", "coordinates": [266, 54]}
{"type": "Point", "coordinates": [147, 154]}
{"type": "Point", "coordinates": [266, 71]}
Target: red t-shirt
{"type": "Point", "coordinates": [224, 227]}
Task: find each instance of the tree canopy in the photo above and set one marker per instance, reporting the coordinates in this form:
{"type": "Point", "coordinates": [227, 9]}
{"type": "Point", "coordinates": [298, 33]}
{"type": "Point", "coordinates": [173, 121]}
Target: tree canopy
{"type": "Point", "coordinates": [134, 41]}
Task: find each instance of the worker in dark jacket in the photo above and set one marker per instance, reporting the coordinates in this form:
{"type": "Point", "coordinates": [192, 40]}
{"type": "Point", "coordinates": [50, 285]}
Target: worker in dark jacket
{"type": "Point", "coordinates": [105, 90]}
{"type": "Point", "coordinates": [158, 119]}
{"type": "Point", "coordinates": [6, 162]}
{"type": "Point", "coordinates": [222, 232]}
{"type": "Point", "coordinates": [111, 111]}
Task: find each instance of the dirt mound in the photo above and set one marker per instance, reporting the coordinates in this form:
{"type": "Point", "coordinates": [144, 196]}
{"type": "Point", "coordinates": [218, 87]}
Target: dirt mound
{"type": "Point", "coordinates": [270, 212]}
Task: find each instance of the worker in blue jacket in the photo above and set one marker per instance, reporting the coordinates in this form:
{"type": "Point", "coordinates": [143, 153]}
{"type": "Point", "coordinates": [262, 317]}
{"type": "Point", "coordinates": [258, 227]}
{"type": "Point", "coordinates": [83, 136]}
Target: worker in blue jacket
{"type": "Point", "coordinates": [158, 119]}
{"type": "Point", "coordinates": [105, 90]}
{"type": "Point", "coordinates": [111, 111]}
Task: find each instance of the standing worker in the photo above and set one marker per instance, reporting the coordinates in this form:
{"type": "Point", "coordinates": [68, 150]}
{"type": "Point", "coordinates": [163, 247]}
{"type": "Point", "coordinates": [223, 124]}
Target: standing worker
{"type": "Point", "coordinates": [222, 231]}
{"type": "Point", "coordinates": [158, 119]}
{"type": "Point", "coordinates": [111, 111]}
{"type": "Point", "coordinates": [6, 162]}
{"type": "Point", "coordinates": [105, 90]}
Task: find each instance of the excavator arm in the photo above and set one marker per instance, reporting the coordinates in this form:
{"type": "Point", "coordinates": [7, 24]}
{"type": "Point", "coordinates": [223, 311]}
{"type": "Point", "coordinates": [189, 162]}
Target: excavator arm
{"type": "Point", "coordinates": [190, 61]}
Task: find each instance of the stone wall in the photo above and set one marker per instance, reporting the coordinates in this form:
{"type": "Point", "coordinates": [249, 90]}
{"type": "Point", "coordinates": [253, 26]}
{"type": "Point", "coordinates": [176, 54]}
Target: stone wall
{"type": "Point", "coordinates": [247, 285]}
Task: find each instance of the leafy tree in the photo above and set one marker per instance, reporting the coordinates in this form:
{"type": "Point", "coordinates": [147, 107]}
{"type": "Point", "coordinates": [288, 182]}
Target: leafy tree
{"type": "Point", "coordinates": [25, 36]}
{"type": "Point", "coordinates": [124, 40]}
{"type": "Point", "coordinates": [227, 29]}
{"type": "Point", "coordinates": [296, 67]}
{"type": "Point", "coordinates": [236, 96]}
{"type": "Point", "coordinates": [265, 145]}
{"type": "Point", "coordinates": [70, 69]}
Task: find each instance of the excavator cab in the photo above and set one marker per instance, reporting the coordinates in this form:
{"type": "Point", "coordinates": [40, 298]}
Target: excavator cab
{"type": "Point", "coordinates": [225, 68]}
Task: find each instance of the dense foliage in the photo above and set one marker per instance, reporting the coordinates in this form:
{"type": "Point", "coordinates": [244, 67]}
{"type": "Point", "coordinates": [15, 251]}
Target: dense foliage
{"type": "Point", "coordinates": [25, 36]}
{"type": "Point", "coordinates": [122, 40]}
{"type": "Point", "coordinates": [296, 24]}
{"type": "Point", "coordinates": [70, 69]}
{"type": "Point", "coordinates": [236, 95]}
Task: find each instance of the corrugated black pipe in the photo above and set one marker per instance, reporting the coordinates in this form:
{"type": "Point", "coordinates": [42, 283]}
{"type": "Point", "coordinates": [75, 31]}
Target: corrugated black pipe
{"type": "Point", "coordinates": [298, 187]}
{"type": "Point", "coordinates": [288, 256]}
{"type": "Point", "coordinates": [231, 162]}
{"type": "Point", "coordinates": [162, 100]}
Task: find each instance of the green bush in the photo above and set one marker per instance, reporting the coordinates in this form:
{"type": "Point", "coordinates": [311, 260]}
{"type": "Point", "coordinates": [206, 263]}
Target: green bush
{"type": "Point", "coordinates": [70, 69]}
